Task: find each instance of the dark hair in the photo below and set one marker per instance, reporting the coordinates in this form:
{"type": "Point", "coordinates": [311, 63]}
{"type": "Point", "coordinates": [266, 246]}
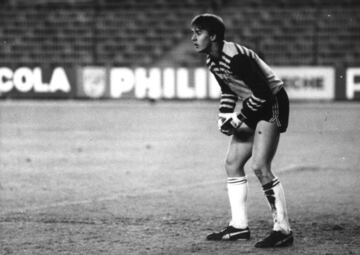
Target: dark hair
{"type": "Point", "coordinates": [211, 23]}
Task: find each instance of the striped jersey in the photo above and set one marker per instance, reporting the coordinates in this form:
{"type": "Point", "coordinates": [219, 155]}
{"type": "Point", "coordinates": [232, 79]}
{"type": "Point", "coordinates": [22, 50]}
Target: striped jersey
{"type": "Point", "coordinates": [243, 75]}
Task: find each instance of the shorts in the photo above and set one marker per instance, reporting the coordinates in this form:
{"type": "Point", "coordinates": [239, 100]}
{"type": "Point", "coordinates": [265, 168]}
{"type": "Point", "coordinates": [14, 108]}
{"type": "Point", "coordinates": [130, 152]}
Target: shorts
{"type": "Point", "coordinates": [276, 111]}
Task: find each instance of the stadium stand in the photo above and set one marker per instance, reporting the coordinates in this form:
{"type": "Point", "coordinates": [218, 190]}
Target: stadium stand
{"type": "Point", "coordinates": [148, 33]}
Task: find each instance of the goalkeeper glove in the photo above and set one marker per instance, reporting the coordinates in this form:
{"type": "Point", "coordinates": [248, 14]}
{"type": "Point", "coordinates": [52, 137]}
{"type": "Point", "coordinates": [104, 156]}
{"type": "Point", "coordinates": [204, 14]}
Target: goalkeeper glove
{"type": "Point", "coordinates": [228, 122]}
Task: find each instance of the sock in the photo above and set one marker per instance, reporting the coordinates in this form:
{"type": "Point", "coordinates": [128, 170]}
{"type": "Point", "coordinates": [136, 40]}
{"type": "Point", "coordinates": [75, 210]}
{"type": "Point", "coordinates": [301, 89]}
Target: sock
{"type": "Point", "coordinates": [237, 191]}
{"type": "Point", "coordinates": [275, 195]}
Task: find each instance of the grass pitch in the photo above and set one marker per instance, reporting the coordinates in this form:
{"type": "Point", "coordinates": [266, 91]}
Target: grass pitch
{"type": "Point", "coordinates": [132, 177]}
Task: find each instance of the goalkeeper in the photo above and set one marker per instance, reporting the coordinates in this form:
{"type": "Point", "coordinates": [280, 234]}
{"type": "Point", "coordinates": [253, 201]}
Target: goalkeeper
{"type": "Point", "coordinates": [255, 129]}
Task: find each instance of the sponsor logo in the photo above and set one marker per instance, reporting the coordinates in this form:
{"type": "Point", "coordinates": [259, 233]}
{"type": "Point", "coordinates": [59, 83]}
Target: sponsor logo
{"type": "Point", "coordinates": [353, 83]}
{"type": "Point", "coordinates": [308, 82]}
{"type": "Point", "coordinates": [25, 79]}
{"type": "Point", "coordinates": [279, 243]}
{"type": "Point", "coordinates": [233, 234]}
{"type": "Point", "coordinates": [94, 81]}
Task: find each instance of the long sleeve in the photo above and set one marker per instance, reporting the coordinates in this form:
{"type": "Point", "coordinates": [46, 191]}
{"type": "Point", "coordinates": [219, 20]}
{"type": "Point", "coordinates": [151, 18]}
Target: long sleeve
{"type": "Point", "coordinates": [250, 72]}
{"type": "Point", "coordinates": [228, 98]}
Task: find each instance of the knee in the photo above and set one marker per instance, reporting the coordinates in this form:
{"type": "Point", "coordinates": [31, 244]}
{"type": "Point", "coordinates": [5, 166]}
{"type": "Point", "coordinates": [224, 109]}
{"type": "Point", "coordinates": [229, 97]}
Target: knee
{"type": "Point", "coordinates": [257, 166]}
{"type": "Point", "coordinates": [234, 167]}
{"type": "Point", "coordinates": [261, 170]}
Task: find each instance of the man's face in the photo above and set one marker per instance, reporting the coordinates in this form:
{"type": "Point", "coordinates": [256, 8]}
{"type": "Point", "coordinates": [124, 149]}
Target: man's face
{"type": "Point", "coordinates": [201, 39]}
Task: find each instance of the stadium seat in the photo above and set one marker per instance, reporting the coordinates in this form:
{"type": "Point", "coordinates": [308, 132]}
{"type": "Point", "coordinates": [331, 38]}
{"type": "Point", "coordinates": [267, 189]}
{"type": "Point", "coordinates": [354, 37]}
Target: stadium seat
{"type": "Point", "coordinates": [142, 32]}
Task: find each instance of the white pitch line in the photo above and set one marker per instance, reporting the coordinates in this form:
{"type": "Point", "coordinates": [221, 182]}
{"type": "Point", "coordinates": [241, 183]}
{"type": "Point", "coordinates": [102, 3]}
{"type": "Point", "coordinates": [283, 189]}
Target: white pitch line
{"type": "Point", "coordinates": [119, 195]}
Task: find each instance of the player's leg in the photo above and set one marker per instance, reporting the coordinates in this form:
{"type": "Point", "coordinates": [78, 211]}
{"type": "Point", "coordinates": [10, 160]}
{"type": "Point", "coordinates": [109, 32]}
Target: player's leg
{"type": "Point", "coordinates": [239, 151]}
{"type": "Point", "coordinates": [266, 141]}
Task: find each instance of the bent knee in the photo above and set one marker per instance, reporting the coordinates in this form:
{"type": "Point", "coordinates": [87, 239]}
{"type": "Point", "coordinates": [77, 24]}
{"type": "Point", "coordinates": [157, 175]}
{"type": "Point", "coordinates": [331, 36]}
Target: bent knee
{"type": "Point", "coordinates": [260, 168]}
{"type": "Point", "coordinates": [258, 165]}
{"type": "Point", "coordinates": [234, 167]}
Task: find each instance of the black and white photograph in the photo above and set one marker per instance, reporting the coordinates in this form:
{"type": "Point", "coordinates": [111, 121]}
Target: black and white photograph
{"type": "Point", "coordinates": [164, 127]}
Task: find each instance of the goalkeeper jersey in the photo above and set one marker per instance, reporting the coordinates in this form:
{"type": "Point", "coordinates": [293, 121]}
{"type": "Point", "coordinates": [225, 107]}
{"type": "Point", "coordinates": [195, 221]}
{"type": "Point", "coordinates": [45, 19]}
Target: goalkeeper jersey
{"type": "Point", "coordinates": [242, 75]}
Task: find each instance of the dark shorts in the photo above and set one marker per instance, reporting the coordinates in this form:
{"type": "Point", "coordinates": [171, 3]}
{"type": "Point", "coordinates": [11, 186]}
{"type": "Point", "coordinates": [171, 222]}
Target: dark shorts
{"type": "Point", "coordinates": [275, 112]}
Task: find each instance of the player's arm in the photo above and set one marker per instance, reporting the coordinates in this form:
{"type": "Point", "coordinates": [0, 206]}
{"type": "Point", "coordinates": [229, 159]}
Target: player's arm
{"type": "Point", "coordinates": [250, 71]}
{"type": "Point", "coordinates": [227, 119]}
{"type": "Point", "coordinates": [228, 98]}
